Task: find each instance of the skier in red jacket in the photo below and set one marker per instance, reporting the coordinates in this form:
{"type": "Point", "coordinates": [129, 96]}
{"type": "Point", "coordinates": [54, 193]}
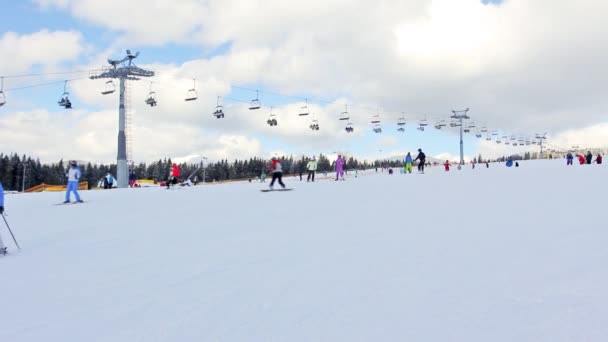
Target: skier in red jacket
{"type": "Point", "coordinates": [173, 175]}
{"type": "Point", "coordinates": [447, 165]}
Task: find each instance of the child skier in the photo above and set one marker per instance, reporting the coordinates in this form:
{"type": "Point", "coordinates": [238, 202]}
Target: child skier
{"type": "Point", "coordinates": [447, 165]}
{"type": "Point", "coordinates": [73, 175]}
{"type": "Point", "coordinates": [408, 163]}
{"type": "Point", "coordinates": [277, 172]}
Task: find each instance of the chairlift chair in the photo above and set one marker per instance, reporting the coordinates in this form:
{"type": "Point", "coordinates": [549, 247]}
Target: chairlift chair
{"type": "Point", "coordinates": [304, 110]}
{"type": "Point", "coordinates": [349, 128]}
{"type": "Point", "coordinates": [64, 101]}
{"type": "Point", "coordinates": [344, 115]}
{"type": "Point", "coordinates": [466, 130]}
{"type": "Point", "coordinates": [495, 133]}
{"type": "Point", "coordinates": [423, 123]}
{"type": "Point", "coordinates": [376, 119]}
{"type": "Point", "coordinates": [478, 135]}
{"type": "Point", "coordinates": [151, 99]}
{"type": "Point", "coordinates": [420, 128]}
{"type": "Point", "coordinates": [255, 103]}
{"type": "Point", "coordinates": [484, 129]}
{"type": "Point", "coordinates": [489, 137]}
{"type": "Point", "coordinates": [192, 94]}
{"type": "Point", "coordinates": [377, 128]}
{"type": "Point", "coordinates": [219, 109]}
{"type": "Point", "coordinates": [314, 125]}
{"type": "Point", "coordinates": [401, 121]}
{"type": "Point", "coordinates": [272, 119]}
{"type": "Point", "coordinates": [109, 88]}
{"type": "Point", "coordinates": [401, 129]}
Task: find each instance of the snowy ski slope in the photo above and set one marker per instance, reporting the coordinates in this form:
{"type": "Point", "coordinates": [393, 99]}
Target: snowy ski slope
{"type": "Point", "coordinates": [498, 254]}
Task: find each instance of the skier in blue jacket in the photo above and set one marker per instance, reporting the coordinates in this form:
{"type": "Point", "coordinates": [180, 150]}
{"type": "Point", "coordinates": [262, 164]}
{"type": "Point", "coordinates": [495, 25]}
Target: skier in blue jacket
{"type": "Point", "coordinates": [407, 167]}
{"type": "Point", "coordinates": [73, 176]}
{"type": "Point", "coordinates": [2, 246]}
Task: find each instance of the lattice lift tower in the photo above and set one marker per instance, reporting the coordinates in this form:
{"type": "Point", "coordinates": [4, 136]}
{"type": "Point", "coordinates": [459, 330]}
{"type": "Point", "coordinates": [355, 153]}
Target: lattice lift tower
{"type": "Point", "coordinates": [123, 70]}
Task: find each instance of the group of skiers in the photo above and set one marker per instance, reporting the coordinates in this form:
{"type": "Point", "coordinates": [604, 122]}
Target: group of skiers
{"type": "Point", "coordinates": [586, 159]}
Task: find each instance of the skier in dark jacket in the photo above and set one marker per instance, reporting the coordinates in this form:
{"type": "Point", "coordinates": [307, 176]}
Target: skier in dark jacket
{"type": "Point", "coordinates": [421, 157]}
{"type": "Point", "coordinates": [569, 158]}
{"type": "Point", "coordinates": [589, 157]}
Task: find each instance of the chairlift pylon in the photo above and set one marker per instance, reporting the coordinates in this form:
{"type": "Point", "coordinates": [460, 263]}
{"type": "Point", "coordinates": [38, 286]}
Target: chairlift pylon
{"type": "Point", "coordinates": [109, 88]}
{"type": "Point", "coordinates": [192, 94]}
{"type": "Point", "coordinates": [255, 103]}
{"type": "Point", "coordinates": [64, 101]}
{"type": "Point", "coordinates": [151, 99]}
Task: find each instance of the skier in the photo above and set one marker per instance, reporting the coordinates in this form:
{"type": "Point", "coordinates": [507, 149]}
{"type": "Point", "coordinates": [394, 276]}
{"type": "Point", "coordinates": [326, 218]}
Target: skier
{"type": "Point", "coordinates": [589, 157]}
{"type": "Point", "coordinates": [277, 172]}
{"type": "Point", "coordinates": [447, 165]}
{"type": "Point", "coordinates": [312, 168]}
{"type": "Point", "coordinates": [73, 175]}
{"type": "Point", "coordinates": [174, 174]}
{"type": "Point", "coordinates": [569, 158]}
{"type": "Point", "coordinates": [598, 159]}
{"type": "Point", "coordinates": [2, 246]}
{"type": "Point", "coordinates": [581, 159]}
{"type": "Point", "coordinates": [340, 168]}
{"type": "Point", "coordinates": [421, 157]}
{"type": "Point", "coordinates": [408, 163]}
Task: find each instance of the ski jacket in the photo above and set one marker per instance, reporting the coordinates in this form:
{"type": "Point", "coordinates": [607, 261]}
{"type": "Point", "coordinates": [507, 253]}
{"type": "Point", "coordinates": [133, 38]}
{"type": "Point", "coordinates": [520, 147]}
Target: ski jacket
{"type": "Point", "coordinates": [421, 156]}
{"type": "Point", "coordinates": [589, 157]}
{"type": "Point", "coordinates": [408, 159]}
{"type": "Point", "coordinates": [598, 159]}
{"type": "Point", "coordinates": [339, 164]}
{"type": "Point", "coordinates": [1, 195]}
{"type": "Point", "coordinates": [132, 176]}
{"type": "Point", "coordinates": [175, 170]}
{"type": "Point", "coordinates": [312, 165]}
{"type": "Point", "coordinates": [73, 174]}
{"type": "Point", "coordinates": [569, 156]}
{"type": "Point", "coordinates": [110, 178]}
{"type": "Point", "coordinates": [276, 166]}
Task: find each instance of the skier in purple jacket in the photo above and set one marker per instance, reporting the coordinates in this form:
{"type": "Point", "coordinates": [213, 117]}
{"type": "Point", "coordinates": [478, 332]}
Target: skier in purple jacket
{"type": "Point", "coordinates": [340, 168]}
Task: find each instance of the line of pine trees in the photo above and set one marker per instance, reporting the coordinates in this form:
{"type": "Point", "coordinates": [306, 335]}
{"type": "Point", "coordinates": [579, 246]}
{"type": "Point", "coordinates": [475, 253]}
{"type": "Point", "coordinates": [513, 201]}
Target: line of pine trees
{"type": "Point", "coordinates": [13, 177]}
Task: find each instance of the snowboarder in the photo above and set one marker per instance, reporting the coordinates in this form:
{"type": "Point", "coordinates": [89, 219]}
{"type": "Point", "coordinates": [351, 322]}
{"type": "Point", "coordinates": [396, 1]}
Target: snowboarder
{"type": "Point", "coordinates": [132, 179]}
{"type": "Point", "coordinates": [447, 165]}
{"type": "Point", "coordinates": [277, 172]}
{"type": "Point", "coordinates": [569, 158]}
{"type": "Point", "coordinates": [421, 157]}
{"type": "Point", "coordinates": [340, 168]}
{"type": "Point", "coordinates": [312, 168]}
{"type": "Point", "coordinates": [2, 246]}
{"type": "Point", "coordinates": [109, 181]}
{"type": "Point", "coordinates": [589, 157]}
{"type": "Point", "coordinates": [73, 175]}
{"type": "Point", "coordinates": [408, 163]}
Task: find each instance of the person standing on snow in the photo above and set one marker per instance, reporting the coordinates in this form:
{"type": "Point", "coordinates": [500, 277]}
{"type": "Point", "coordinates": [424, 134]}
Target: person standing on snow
{"type": "Point", "coordinates": [421, 157]}
{"type": "Point", "coordinates": [408, 162]}
{"type": "Point", "coordinates": [340, 167]}
{"type": "Point", "coordinates": [132, 179]}
{"type": "Point", "coordinates": [569, 158]}
{"type": "Point", "coordinates": [589, 157]}
{"type": "Point", "coordinates": [447, 165]}
{"type": "Point", "coordinates": [173, 175]}
{"type": "Point", "coordinates": [598, 159]}
{"type": "Point", "coordinates": [109, 180]}
{"type": "Point", "coordinates": [312, 168]}
{"type": "Point", "coordinates": [2, 246]}
{"type": "Point", "coordinates": [73, 176]}
{"type": "Point", "coordinates": [277, 172]}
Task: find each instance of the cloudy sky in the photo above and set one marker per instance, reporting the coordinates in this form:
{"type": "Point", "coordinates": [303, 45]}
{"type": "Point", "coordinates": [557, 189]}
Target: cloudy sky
{"type": "Point", "coordinates": [522, 67]}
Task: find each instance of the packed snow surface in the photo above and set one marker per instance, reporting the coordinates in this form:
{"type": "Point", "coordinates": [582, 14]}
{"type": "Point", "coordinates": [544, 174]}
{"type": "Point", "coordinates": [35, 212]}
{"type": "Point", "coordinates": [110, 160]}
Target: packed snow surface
{"type": "Point", "coordinates": [490, 254]}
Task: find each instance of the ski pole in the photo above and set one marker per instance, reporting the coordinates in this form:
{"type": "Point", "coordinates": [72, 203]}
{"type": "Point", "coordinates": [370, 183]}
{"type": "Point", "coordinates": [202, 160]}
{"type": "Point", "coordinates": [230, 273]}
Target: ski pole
{"type": "Point", "coordinates": [10, 231]}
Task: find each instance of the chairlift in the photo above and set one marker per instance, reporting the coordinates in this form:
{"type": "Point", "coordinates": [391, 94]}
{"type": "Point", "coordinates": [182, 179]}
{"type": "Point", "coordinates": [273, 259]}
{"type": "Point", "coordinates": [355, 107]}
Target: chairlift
{"type": "Point", "coordinates": [255, 103]}
{"type": "Point", "coordinates": [420, 128]}
{"type": "Point", "coordinates": [401, 121]}
{"type": "Point", "coordinates": [478, 135]}
{"type": "Point", "coordinates": [466, 130]}
{"type": "Point", "coordinates": [507, 142]}
{"type": "Point", "coordinates": [2, 96]}
{"type": "Point", "coordinates": [484, 129]}
{"type": "Point", "coordinates": [423, 123]}
{"type": "Point", "coordinates": [498, 140]}
{"type": "Point", "coordinates": [314, 125]}
{"type": "Point", "coordinates": [495, 133]}
{"type": "Point", "coordinates": [376, 118]}
{"type": "Point", "coordinates": [401, 129]}
{"type": "Point", "coordinates": [304, 110]}
{"type": "Point", "coordinates": [64, 101]}
{"type": "Point", "coordinates": [219, 109]}
{"type": "Point", "coordinates": [344, 115]}
{"type": "Point", "coordinates": [377, 128]}
{"type": "Point", "coordinates": [471, 124]}
{"type": "Point", "coordinates": [109, 88]}
{"type": "Point", "coordinates": [272, 119]}
{"type": "Point", "coordinates": [151, 99]}
{"type": "Point", "coordinates": [192, 94]}
{"type": "Point", "coordinates": [489, 137]}
{"type": "Point", "coordinates": [455, 123]}
{"type": "Point", "coordinates": [440, 124]}
{"type": "Point", "coordinates": [349, 128]}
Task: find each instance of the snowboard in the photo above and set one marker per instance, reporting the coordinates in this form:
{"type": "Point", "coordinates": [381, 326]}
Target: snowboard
{"type": "Point", "coordinates": [269, 190]}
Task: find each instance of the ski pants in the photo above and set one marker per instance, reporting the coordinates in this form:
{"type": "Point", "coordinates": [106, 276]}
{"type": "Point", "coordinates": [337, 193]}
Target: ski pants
{"type": "Point", "coordinates": [421, 166]}
{"type": "Point", "coordinates": [408, 167]}
{"type": "Point", "coordinates": [72, 187]}
{"type": "Point", "coordinates": [311, 174]}
{"type": "Point", "coordinates": [277, 176]}
{"type": "Point", "coordinates": [569, 162]}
